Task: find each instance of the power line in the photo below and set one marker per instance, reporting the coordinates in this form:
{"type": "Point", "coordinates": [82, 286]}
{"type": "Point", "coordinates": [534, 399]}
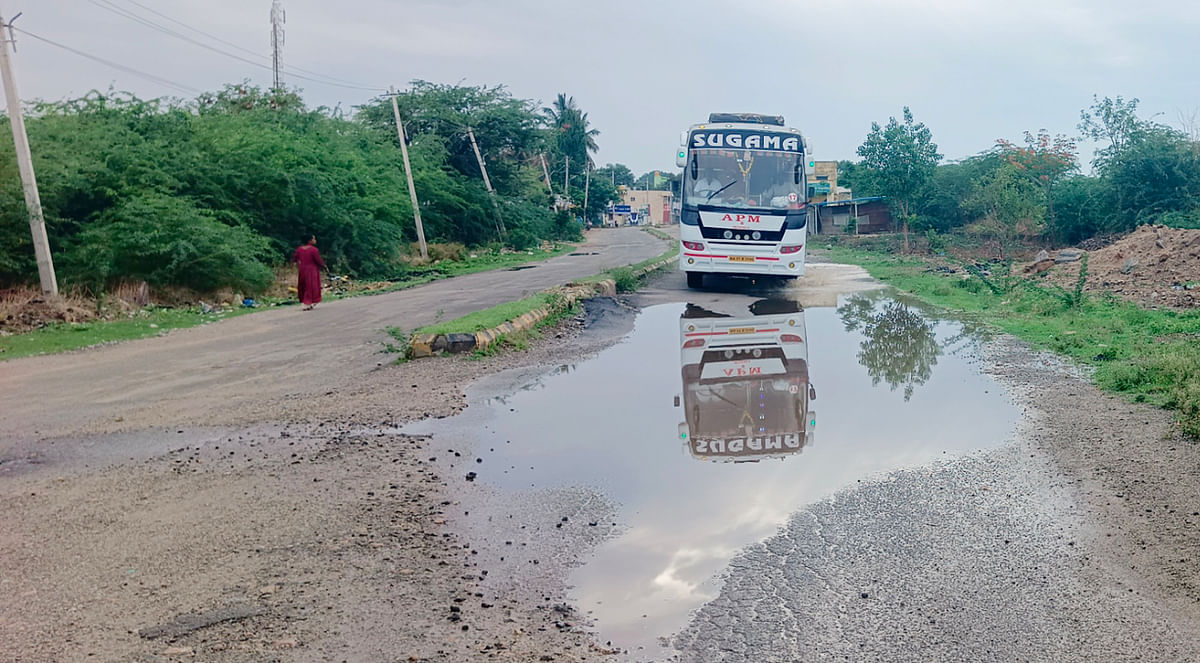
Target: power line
{"type": "Point", "coordinates": [287, 69]}
{"type": "Point", "coordinates": [109, 6]}
{"type": "Point", "coordinates": [129, 70]}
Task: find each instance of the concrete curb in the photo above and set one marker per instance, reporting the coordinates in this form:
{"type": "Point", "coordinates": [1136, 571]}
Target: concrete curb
{"type": "Point", "coordinates": [428, 345]}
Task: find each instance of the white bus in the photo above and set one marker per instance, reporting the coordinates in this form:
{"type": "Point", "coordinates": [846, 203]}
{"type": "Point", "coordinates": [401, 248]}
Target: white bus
{"type": "Point", "coordinates": [746, 390]}
{"type": "Point", "coordinates": [744, 187]}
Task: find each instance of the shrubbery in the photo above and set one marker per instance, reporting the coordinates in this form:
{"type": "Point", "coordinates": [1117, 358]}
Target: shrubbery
{"type": "Point", "coordinates": [214, 193]}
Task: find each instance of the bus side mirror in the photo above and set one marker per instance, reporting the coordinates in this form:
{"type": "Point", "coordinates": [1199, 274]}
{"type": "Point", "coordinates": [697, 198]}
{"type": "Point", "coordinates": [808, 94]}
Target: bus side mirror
{"type": "Point", "coordinates": [796, 172]}
{"type": "Point", "coordinates": [695, 166]}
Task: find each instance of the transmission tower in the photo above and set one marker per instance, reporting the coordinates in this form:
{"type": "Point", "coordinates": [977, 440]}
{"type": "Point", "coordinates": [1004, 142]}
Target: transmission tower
{"type": "Point", "coordinates": [278, 18]}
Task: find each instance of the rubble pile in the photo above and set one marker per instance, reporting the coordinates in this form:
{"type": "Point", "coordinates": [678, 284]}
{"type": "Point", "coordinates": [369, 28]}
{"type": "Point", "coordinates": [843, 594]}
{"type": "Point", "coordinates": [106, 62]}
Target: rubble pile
{"type": "Point", "coordinates": [1156, 266]}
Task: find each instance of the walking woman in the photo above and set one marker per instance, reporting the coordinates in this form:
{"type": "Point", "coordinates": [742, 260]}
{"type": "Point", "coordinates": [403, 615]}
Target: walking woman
{"type": "Point", "coordinates": [309, 264]}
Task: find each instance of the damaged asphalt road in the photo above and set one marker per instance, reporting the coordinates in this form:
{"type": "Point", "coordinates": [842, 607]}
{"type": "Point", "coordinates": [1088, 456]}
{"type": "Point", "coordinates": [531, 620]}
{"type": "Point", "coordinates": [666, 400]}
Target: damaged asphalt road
{"type": "Point", "coordinates": [325, 530]}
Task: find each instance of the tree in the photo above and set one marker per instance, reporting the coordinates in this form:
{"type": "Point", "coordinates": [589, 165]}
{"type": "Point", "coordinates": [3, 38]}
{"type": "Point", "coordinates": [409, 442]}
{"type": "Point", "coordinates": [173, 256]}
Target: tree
{"type": "Point", "coordinates": [1045, 160]}
{"type": "Point", "coordinates": [1006, 203]}
{"type": "Point", "coordinates": [857, 178]}
{"type": "Point", "coordinates": [617, 173]}
{"type": "Point", "coordinates": [901, 158]}
{"type": "Point", "coordinates": [573, 135]}
{"type": "Point", "coordinates": [941, 204]}
{"type": "Point", "coordinates": [899, 345]}
{"type": "Point", "coordinates": [1115, 121]}
{"type": "Point", "coordinates": [657, 180]}
{"type": "Point", "coordinates": [1156, 172]}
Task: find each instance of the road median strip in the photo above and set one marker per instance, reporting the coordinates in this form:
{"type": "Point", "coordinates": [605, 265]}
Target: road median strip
{"type": "Point", "coordinates": [476, 331]}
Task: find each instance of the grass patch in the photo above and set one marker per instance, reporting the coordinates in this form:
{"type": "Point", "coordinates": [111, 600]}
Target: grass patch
{"type": "Point", "coordinates": [625, 279]}
{"type": "Point", "coordinates": [64, 337]}
{"type": "Point", "coordinates": [520, 341]}
{"type": "Point", "coordinates": [154, 321]}
{"type": "Point", "coordinates": [1149, 356]}
{"type": "Point", "coordinates": [658, 233]}
{"type": "Point", "coordinates": [398, 345]}
{"type": "Point", "coordinates": [494, 316]}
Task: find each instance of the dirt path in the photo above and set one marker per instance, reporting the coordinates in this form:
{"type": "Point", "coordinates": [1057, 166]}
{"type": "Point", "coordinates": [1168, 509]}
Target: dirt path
{"type": "Point", "coordinates": [272, 523]}
{"type": "Point", "coordinates": [313, 541]}
{"type": "Point", "coordinates": [222, 373]}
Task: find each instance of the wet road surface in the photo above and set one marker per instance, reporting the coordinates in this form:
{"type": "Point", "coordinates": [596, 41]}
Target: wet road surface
{"type": "Point", "coordinates": [200, 375]}
{"type": "Point", "coordinates": [773, 482]}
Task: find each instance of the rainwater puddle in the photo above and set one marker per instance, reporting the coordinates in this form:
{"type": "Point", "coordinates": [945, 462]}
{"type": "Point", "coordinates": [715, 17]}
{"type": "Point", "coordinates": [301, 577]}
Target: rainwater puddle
{"type": "Point", "coordinates": [710, 427]}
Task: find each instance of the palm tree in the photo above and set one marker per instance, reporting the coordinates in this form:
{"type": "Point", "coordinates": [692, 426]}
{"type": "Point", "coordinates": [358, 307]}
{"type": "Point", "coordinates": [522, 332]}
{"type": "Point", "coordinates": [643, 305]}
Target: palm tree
{"type": "Point", "coordinates": [573, 136]}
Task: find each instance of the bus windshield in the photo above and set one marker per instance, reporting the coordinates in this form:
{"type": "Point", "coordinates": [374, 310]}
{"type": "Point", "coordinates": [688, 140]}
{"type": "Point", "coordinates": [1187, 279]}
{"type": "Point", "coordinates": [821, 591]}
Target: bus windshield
{"type": "Point", "coordinates": [743, 179]}
{"type": "Point", "coordinates": [754, 407]}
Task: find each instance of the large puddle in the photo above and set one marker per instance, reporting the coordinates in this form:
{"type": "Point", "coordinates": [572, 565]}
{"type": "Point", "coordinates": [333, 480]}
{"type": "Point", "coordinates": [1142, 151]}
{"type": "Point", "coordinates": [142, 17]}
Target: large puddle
{"type": "Point", "coordinates": [710, 426]}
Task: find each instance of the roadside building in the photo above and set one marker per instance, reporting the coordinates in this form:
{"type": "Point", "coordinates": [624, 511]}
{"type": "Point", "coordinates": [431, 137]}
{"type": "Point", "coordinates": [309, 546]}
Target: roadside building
{"type": "Point", "coordinates": [823, 184]}
{"type": "Point", "coordinates": [642, 207]}
{"type": "Point", "coordinates": [856, 216]}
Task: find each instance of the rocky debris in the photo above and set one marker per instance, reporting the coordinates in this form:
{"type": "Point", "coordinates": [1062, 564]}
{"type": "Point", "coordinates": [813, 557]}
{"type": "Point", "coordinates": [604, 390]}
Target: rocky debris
{"type": "Point", "coordinates": [1154, 266]}
{"type": "Point", "coordinates": [1068, 255]}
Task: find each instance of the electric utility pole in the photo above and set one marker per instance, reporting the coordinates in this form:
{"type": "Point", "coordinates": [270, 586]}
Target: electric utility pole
{"type": "Point", "coordinates": [487, 182]}
{"type": "Point", "coordinates": [33, 202]}
{"type": "Point", "coordinates": [567, 178]}
{"type": "Point", "coordinates": [278, 18]}
{"type": "Point", "coordinates": [546, 173]}
{"type": "Point", "coordinates": [412, 188]}
{"type": "Point", "coordinates": [587, 178]}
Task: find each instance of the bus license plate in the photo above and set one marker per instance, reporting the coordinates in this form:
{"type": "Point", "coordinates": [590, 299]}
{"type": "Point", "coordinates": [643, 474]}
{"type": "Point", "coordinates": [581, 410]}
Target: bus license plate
{"type": "Point", "coordinates": [741, 258]}
{"type": "Point", "coordinates": [742, 330]}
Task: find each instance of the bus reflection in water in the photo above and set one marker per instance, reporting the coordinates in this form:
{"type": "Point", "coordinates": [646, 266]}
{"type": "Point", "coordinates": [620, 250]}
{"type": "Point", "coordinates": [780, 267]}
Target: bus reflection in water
{"type": "Point", "coordinates": [746, 390]}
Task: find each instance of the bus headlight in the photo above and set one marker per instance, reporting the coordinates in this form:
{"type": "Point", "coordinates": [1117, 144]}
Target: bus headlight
{"type": "Point", "coordinates": [756, 235]}
{"type": "Point", "coordinates": [728, 234]}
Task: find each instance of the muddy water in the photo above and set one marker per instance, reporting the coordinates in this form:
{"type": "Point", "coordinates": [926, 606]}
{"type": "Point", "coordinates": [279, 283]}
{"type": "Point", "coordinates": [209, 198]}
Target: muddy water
{"type": "Point", "coordinates": [710, 425]}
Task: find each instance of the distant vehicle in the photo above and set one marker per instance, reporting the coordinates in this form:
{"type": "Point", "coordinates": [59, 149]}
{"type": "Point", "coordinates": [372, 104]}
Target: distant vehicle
{"type": "Point", "coordinates": [746, 389]}
{"type": "Point", "coordinates": [744, 191]}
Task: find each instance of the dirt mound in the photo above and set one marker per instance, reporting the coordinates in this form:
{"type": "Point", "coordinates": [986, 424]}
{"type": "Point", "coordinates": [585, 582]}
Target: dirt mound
{"type": "Point", "coordinates": [1153, 265]}
{"type": "Point", "coordinates": [23, 309]}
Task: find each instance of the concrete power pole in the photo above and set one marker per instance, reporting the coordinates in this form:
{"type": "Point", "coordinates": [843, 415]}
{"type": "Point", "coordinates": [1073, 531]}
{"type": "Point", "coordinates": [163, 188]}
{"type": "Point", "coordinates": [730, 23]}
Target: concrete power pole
{"type": "Point", "coordinates": [567, 179]}
{"type": "Point", "coordinates": [412, 188]}
{"type": "Point", "coordinates": [546, 173]}
{"type": "Point", "coordinates": [487, 182]}
{"type": "Point", "coordinates": [587, 179]}
{"type": "Point", "coordinates": [33, 202]}
{"type": "Point", "coordinates": [278, 18]}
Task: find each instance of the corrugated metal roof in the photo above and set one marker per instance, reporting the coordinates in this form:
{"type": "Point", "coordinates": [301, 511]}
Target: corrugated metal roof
{"type": "Point", "coordinates": [852, 201]}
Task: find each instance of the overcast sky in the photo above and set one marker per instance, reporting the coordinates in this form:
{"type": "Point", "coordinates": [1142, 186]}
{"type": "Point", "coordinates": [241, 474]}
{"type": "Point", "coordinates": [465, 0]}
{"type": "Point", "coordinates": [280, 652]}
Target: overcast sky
{"type": "Point", "coordinates": [972, 70]}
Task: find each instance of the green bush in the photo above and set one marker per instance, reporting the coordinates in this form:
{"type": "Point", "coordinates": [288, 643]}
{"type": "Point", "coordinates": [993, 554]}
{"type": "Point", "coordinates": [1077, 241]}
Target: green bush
{"type": "Point", "coordinates": [625, 279]}
{"type": "Point", "coordinates": [167, 241]}
{"type": "Point", "coordinates": [566, 227]}
{"type": "Point", "coordinates": [257, 172]}
{"type": "Point", "coordinates": [1189, 220]}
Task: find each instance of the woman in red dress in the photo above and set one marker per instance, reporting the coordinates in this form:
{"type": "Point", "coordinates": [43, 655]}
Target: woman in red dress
{"type": "Point", "coordinates": [308, 260]}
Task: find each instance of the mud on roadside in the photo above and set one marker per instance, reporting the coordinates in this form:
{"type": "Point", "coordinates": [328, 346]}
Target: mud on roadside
{"type": "Point", "coordinates": [317, 538]}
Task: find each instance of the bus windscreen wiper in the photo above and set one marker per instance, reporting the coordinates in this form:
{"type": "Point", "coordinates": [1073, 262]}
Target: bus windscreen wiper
{"type": "Point", "coordinates": [714, 193]}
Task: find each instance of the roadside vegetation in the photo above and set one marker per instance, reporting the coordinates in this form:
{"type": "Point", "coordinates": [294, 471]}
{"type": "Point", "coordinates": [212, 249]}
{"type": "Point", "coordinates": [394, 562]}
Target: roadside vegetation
{"type": "Point", "coordinates": [626, 279]}
{"type": "Point", "coordinates": [215, 192]}
{"type": "Point", "coordinates": [494, 316]}
{"type": "Point", "coordinates": [1150, 356]}
{"type": "Point", "coordinates": [86, 322]}
{"type": "Point", "coordinates": [1032, 191]}
{"type": "Point", "coordinates": [968, 228]}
